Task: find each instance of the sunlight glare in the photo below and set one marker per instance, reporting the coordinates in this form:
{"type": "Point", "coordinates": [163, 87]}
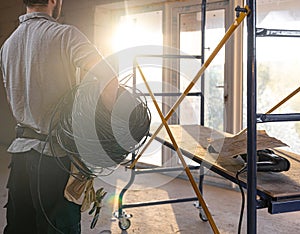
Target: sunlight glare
{"type": "Point", "coordinates": [137, 30]}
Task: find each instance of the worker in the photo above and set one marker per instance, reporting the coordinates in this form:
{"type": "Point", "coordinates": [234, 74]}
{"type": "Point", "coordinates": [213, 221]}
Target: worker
{"type": "Point", "coordinates": [40, 62]}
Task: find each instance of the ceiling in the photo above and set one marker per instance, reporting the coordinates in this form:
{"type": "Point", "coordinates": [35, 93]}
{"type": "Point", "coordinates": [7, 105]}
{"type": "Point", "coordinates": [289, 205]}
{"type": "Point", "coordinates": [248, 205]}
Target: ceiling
{"type": "Point", "coordinates": [117, 4]}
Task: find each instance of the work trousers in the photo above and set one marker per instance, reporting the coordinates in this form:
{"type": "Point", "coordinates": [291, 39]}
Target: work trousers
{"type": "Point", "coordinates": [36, 202]}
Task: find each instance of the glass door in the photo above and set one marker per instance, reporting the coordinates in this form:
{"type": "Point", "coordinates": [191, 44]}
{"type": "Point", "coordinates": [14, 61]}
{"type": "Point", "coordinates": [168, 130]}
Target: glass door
{"type": "Point", "coordinates": [186, 35]}
{"type": "Point", "coordinates": [190, 42]}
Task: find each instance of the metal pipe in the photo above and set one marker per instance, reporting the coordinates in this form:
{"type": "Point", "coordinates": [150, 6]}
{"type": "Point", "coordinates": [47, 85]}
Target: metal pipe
{"type": "Point", "coordinates": [251, 120]}
{"type": "Point", "coordinates": [203, 23]}
{"type": "Point", "coordinates": [153, 203]}
{"type": "Point", "coordinates": [263, 118]}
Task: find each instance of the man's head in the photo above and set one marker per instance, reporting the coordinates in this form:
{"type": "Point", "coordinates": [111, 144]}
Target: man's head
{"type": "Point", "coordinates": [53, 7]}
{"type": "Point", "coordinates": [31, 3]}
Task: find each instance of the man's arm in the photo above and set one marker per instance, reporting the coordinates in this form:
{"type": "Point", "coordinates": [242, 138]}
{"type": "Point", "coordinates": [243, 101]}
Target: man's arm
{"type": "Point", "coordinates": [111, 83]}
{"type": "Point", "coordinates": [85, 56]}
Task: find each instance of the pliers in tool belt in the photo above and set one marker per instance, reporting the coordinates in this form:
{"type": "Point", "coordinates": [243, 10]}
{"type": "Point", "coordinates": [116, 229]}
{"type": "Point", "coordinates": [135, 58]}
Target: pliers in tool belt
{"type": "Point", "coordinates": [100, 194]}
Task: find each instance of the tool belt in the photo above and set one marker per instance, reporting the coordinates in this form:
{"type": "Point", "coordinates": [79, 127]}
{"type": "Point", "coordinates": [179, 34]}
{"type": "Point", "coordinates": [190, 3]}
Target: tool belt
{"type": "Point", "coordinates": [25, 132]}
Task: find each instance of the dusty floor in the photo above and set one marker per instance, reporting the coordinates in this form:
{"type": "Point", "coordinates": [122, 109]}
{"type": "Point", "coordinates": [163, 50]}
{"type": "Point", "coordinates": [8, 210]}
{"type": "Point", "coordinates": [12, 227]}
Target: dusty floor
{"type": "Point", "coordinates": [224, 205]}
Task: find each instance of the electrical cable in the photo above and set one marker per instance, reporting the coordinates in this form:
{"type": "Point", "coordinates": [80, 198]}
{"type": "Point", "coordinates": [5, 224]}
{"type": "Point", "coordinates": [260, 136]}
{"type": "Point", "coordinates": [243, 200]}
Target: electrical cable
{"type": "Point", "coordinates": [115, 141]}
{"type": "Point", "coordinates": [61, 126]}
{"type": "Point", "coordinates": [243, 197]}
{"type": "Point", "coordinates": [39, 189]}
{"type": "Point", "coordinates": [49, 139]}
{"type": "Point", "coordinates": [127, 78]}
{"type": "Point", "coordinates": [51, 143]}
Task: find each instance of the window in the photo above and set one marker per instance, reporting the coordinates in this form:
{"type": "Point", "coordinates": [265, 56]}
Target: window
{"type": "Point", "coordinates": [143, 29]}
{"type": "Point", "coordinates": [278, 68]}
{"type": "Point", "coordinates": [138, 30]}
{"type": "Point", "coordinates": [190, 42]}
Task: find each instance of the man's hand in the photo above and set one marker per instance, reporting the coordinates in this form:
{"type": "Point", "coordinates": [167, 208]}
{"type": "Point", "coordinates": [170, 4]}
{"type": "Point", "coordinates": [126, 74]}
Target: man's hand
{"type": "Point", "coordinates": [109, 95]}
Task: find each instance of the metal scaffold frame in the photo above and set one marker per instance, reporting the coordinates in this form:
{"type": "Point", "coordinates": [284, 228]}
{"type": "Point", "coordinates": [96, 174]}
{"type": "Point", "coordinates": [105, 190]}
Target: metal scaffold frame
{"type": "Point", "coordinates": [274, 205]}
{"type": "Point", "coordinates": [253, 118]}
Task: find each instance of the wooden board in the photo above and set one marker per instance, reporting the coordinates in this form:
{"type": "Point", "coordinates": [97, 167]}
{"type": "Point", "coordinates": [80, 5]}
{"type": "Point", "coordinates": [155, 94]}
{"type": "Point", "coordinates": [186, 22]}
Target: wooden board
{"type": "Point", "coordinates": [194, 139]}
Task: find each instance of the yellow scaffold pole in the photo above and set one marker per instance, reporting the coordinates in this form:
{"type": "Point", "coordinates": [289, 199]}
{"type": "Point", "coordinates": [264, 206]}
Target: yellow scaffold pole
{"type": "Point", "coordinates": [227, 35]}
{"type": "Point", "coordinates": [177, 149]}
{"type": "Point", "coordinates": [288, 97]}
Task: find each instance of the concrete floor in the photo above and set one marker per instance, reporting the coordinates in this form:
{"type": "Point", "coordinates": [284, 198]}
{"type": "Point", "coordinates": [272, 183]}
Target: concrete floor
{"type": "Point", "coordinates": [224, 205]}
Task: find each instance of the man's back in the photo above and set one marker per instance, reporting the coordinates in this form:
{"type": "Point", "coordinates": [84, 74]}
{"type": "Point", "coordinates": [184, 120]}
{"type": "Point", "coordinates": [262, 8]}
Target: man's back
{"type": "Point", "coordinates": [39, 63]}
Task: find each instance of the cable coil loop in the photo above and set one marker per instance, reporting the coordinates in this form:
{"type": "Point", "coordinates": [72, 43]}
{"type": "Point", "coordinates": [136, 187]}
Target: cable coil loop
{"type": "Point", "coordinates": [94, 137]}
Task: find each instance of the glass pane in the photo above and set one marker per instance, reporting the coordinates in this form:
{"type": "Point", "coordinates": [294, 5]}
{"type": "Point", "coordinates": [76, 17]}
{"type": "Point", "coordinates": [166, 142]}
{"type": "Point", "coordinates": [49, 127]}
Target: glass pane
{"type": "Point", "coordinates": [138, 30]}
{"type": "Point", "coordinates": [143, 29]}
{"type": "Point", "coordinates": [190, 42]}
{"type": "Point", "coordinates": [278, 69]}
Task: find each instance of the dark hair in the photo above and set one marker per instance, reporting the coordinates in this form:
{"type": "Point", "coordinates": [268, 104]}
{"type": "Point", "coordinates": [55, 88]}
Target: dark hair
{"type": "Point", "coordinates": [34, 2]}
